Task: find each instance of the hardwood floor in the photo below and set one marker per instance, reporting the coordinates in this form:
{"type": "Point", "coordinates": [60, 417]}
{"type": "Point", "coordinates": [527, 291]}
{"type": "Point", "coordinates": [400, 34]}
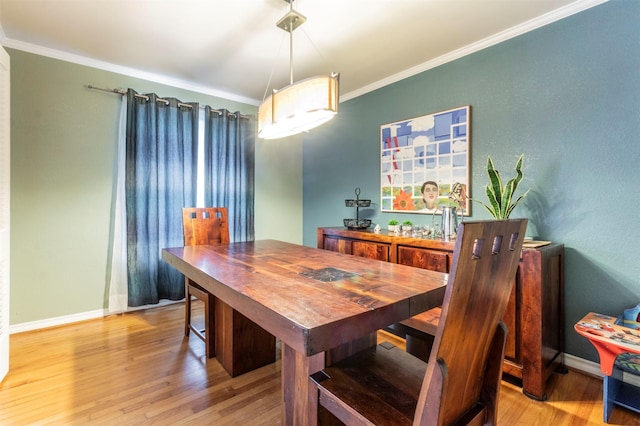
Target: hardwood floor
{"type": "Point", "coordinates": [139, 369]}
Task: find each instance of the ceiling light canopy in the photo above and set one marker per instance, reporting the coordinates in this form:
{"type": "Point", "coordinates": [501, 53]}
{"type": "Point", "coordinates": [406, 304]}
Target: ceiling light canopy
{"type": "Point", "coordinates": [300, 106]}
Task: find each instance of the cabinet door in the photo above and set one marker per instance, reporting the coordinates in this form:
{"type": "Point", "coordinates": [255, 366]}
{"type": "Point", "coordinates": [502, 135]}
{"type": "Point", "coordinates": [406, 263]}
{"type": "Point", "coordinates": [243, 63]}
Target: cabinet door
{"type": "Point", "coordinates": [337, 244]}
{"type": "Point", "coordinates": [423, 258]}
{"type": "Point", "coordinates": [511, 320]}
{"type": "Point", "coordinates": [371, 250]}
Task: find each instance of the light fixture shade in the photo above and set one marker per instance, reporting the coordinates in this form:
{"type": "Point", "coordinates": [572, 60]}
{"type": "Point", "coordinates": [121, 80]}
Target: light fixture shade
{"type": "Point", "coordinates": [299, 107]}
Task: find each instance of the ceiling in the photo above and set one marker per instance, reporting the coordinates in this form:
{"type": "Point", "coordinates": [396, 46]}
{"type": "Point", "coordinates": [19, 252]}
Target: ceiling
{"type": "Point", "coordinates": [233, 48]}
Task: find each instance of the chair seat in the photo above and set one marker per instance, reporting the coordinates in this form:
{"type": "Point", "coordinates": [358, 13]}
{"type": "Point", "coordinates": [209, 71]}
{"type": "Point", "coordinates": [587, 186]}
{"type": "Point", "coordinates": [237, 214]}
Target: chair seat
{"type": "Point", "coordinates": [426, 322]}
{"type": "Point", "coordinates": [207, 333]}
{"type": "Point", "coordinates": [382, 384]}
{"type": "Point", "coordinates": [419, 332]}
{"type": "Point", "coordinates": [628, 362]}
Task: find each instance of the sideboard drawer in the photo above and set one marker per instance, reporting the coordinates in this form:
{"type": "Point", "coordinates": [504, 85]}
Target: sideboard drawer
{"type": "Point", "coordinates": [370, 250]}
{"type": "Point", "coordinates": [339, 245]}
{"type": "Point", "coordinates": [423, 258]}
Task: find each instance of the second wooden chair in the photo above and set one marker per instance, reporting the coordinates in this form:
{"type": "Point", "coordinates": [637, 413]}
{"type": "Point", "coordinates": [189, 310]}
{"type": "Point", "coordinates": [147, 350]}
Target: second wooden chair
{"type": "Point", "coordinates": [239, 344]}
{"type": "Point", "coordinates": [206, 225]}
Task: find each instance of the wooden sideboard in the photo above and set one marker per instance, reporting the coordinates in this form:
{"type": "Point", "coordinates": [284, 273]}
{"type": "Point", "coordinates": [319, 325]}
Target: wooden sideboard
{"type": "Point", "coordinates": [534, 316]}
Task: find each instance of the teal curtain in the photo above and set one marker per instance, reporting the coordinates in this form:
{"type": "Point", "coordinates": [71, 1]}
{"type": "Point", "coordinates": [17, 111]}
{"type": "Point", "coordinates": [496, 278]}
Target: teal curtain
{"type": "Point", "coordinates": [161, 174]}
{"type": "Point", "coordinates": [229, 169]}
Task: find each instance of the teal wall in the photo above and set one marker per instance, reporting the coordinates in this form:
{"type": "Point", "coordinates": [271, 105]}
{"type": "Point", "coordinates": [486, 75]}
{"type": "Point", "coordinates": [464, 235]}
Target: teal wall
{"type": "Point", "coordinates": [63, 147]}
{"type": "Point", "coordinates": [567, 96]}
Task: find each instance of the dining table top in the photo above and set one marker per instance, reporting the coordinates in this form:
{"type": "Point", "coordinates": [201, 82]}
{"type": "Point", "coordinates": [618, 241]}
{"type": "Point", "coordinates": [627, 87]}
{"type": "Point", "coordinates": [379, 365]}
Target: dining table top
{"type": "Point", "coordinates": [312, 299]}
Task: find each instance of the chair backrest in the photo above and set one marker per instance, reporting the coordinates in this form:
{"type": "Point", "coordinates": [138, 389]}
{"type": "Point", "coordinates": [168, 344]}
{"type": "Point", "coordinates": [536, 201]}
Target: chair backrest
{"type": "Point", "coordinates": [205, 225]}
{"type": "Point", "coordinates": [470, 331]}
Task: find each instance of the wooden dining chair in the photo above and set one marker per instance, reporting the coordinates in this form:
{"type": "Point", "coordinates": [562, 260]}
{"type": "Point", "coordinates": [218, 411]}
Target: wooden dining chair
{"type": "Point", "coordinates": [206, 225]}
{"type": "Point", "coordinates": [239, 344]}
{"type": "Point", "coordinates": [385, 385]}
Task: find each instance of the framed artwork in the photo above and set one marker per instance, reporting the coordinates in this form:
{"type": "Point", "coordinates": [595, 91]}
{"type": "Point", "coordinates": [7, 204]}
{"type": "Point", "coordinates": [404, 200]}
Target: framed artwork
{"type": "Point", "coordinates": [424, 163]}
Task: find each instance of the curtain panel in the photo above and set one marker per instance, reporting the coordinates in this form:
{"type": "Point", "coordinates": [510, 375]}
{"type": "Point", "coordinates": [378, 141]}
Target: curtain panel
{"type": "Point", "coordinates": [118, 283]}
{"type": "Point", "coordinates": [229, 169]}
{"type": "Point", "coordinates": [157, 175]}
{"type": "Point", "coordinates": [161, 175]}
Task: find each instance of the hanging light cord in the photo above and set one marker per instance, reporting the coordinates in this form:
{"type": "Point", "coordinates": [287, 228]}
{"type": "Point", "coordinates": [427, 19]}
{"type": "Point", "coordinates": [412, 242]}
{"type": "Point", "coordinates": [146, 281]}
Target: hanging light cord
{"type": "Point", "coordinates": [266, 90]}
{"type": "Point", "coordinates": [290, 56]}
{"type": "Point", "coordinates": [290, 31]}
{"type": "Point", "coordinates": [291, 45]}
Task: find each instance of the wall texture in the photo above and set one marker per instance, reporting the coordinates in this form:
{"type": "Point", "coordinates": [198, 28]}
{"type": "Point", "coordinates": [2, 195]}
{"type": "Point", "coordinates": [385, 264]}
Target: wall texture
{"type": "Point", "coordinates": [63, 146]}
{"type": "Point", "coordinates": [567, 96]}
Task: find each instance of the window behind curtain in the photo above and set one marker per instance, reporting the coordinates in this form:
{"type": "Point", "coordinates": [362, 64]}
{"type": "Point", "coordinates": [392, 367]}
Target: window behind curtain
{"type": "Point", "coordinates": [220, 136]}
{"type": "Point", "coordinates": [200, 182]}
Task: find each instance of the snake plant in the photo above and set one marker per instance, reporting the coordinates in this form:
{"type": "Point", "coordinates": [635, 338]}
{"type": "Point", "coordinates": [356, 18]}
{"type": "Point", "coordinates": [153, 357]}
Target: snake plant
{"type": "Point", "coordinates": [500, 197]}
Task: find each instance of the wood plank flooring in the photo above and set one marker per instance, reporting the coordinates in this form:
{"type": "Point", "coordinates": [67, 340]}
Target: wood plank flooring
{"type": "Point", "coordinates": [139, 369]}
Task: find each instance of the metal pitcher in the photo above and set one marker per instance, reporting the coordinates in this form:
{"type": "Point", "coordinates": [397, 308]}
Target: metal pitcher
{"type": "Point", "coordinates": [449, 222]}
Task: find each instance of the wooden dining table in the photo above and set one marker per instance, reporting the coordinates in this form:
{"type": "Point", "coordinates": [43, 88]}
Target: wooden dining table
{"type": "Point", "coordinates": [322, 305]}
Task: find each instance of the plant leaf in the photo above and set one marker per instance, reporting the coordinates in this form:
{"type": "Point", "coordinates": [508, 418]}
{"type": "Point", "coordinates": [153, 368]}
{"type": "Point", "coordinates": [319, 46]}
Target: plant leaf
{"type": "Point", "coordinates": [507, 193]}
{"type": "Point", "coordinates": [496, 182]}
{"type": "Point", "coordinates": [513, 186]}
{"type": "Point", "coordinates": [493, 201]}
{"type": "Point", "coordinates": [515, 203]}
{"type": "Point", "coordinates": [519, 174]}
{"type": "Point", "coordinates": [489, 209]}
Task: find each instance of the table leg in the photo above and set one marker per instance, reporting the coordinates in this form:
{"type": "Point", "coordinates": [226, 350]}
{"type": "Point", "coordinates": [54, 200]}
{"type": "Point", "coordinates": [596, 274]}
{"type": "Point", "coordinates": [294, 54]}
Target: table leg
{"type": "Point", "coordinates": [241, 345]}
{"type": "Point", "coordinates": [299, 396]}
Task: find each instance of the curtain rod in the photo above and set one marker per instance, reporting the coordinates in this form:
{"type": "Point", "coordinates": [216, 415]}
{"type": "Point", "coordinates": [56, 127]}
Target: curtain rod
{"type": "Point", "coordinates": [166, 102]}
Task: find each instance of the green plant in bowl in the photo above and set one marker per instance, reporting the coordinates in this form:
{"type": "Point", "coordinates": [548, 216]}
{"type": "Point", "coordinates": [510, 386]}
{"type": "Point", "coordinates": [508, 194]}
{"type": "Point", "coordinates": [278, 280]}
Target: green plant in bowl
{"type": "Point", "coordinates": [407, 225]}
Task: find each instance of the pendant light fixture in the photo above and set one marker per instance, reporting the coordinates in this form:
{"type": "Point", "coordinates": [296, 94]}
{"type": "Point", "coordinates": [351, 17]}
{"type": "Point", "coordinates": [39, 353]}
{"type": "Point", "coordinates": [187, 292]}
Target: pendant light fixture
{"type": "Point", "coordinates": [300, 106]}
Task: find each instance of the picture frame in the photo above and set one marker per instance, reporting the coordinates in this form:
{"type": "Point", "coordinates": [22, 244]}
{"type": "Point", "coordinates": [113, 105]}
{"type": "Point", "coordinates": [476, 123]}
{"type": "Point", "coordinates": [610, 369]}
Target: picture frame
{"type": "Point", "coordinates": [430, 152]}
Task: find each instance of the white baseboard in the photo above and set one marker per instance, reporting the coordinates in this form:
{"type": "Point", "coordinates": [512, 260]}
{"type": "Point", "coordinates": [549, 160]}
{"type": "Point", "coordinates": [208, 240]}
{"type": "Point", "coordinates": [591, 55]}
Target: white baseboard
{"type": "Point", "coordinates": [593, 369]}
{"type": "Point", "coordinates": [82, 316]}
{"type": "Point", "coordinates": [582, 365]}
{"type": "Point", "coordinates": [579, 364]}
{"type": "Point", "coordinates": [52, 322]}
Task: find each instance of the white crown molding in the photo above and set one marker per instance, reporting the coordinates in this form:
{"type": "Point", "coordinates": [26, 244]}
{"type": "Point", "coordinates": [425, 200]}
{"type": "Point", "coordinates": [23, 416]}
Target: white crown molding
{"type": "Point", "coordinates": [510, 33]}
{"type": "Point", "coordinates": [531, 25]}
{"type": "Point", "coordinates": [131, 72]}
